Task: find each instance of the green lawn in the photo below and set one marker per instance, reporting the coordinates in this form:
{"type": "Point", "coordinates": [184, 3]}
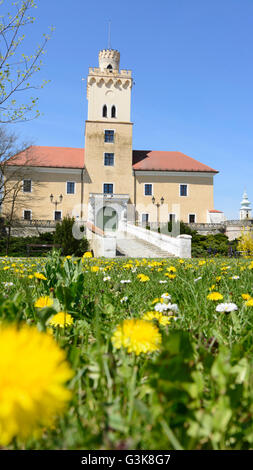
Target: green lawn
{"type": "Point", "coordinates": [179, 379]}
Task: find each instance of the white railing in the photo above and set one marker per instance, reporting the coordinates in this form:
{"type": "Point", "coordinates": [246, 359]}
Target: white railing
{"type": "Point", "coordinates": [178, 246]}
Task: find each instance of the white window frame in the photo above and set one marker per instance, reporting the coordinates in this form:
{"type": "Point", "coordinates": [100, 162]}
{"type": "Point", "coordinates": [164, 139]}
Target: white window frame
{"type": "Point", "coordinates": [113, 157]}
{"type": "Point", "coordinates": [107, 182]}
{"type": "Point", "coordinates": [192, 213]}
{"type": "Point", "coordinates": [148, 195]}
{"type": "Point", "coordinates": [187, 189]}
{"type": "Point", "coordinates": [25, 210]}
{"type": "Point", "coordinates": [70, 194]}
{"type": "Point", "coordinates": [27, 192]}
{"type": "Point", "coordinates": [54, 215]}
{"type": "Point", "coordinates": [114, 135]}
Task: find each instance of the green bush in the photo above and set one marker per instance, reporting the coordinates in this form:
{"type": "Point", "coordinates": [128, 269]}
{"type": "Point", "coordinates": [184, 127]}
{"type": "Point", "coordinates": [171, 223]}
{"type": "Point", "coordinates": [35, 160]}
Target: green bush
{"type": "Point", "coordinates": [205, 245]}
{"type": "Point", "coordinates": [63, 236]}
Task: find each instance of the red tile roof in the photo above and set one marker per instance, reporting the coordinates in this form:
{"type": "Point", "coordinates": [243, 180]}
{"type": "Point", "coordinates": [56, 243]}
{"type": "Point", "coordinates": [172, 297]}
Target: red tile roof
{"type": "Point", "coordinates": [167, 161]}
{"type": "Point", "coordinates": [214, 211]}
{"type": "Point", "coordinates": [67, 157]}
{"type": "Point", "coordinates": [55, 157]}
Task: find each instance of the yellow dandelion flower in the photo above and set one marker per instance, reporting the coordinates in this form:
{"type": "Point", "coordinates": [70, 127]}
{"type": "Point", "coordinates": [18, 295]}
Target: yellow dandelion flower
{"type": "Point", "coordinates": [94, 269]}
{"type": "Point", "coordinates": [162, 319]}
{"type": "Point", "coordinates": [170, 276]}
{"type": "Point", "coordinates": [249, 303]}
{"type": "Point", "coordinates": [40, 276]}
{"type": "Point", "coordinates": [137, 336]}
{"type": "Point", "coordinates": [246, 296]}
{"type": "Point", "coordinates": [61, 319]}
{"type": "Point", "coordinates": [30, 276]}
{"type": "Point", "coordinates": [6, 267]}
{"type": "Point", "coordinates": [171, 269]}
{"type": "Point", "coordinates": [33, 373]}
{"type": "Point", "coordinates": [215, 296]}
{"type": "Point", "coordinates": [143, 277]}
{"type": "Point", "coordinates": [42, 302]}
{"type": "Point", "coordinates": [87, 254]}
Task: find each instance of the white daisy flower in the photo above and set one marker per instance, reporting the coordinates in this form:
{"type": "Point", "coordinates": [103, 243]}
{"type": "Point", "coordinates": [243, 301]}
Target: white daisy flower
{"type": "Point", "coordinates": [124, 299]}
{"type": "Point", "coordinates": [107, 278]}
{"type": "Point", "coordinates": [173, 307]}
{"type": "Point", "coordinates": [166, 296]}
{"type": "Point", "coordinates": [162, 307]}
{"type": "Point", "coordinates": [226, 307]}
{"type": "Point", "coordinates": [124, 281]}
{"type": "Point", "coordinates": [162, 282]}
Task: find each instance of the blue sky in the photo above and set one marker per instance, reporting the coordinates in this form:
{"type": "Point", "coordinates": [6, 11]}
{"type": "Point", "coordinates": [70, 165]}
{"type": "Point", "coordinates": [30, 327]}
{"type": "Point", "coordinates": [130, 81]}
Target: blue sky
{"type": "Point", "coordinates": [192, 67]}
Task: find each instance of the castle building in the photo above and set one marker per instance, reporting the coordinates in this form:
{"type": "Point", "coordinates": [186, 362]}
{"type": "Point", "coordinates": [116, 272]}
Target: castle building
{"type": "Point", "coordinates": [103, 180]}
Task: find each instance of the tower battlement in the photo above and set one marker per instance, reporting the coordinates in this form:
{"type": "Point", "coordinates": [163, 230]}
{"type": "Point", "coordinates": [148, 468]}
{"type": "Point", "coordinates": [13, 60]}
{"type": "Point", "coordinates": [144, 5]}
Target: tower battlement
{"type": "Point", "coordinates": [109, 59]}
{"type": "Point", "coordinates": [102, 73]}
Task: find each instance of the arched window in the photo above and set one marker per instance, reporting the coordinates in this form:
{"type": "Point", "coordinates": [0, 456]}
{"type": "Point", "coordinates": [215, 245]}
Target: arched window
{"type": "Point", "coordinates": [104, 111]}
{"type": "Point", "coordinates": [109, 67]}
{"type": "Point", "coordinates": [113, 113]}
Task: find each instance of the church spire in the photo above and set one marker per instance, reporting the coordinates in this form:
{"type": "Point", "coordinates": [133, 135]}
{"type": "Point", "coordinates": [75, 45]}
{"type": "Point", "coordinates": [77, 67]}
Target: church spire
{"type": "Point", "coordinates": [245, 211]}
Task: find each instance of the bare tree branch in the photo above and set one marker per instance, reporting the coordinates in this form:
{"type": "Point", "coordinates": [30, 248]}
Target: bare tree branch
{"type": "Point", "coordinates": [15, 74]}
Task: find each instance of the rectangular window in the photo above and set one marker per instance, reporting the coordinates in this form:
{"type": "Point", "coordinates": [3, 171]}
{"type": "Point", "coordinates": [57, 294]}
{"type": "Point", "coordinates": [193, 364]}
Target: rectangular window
{"type": "Point", "coordinates": [148, 189]}
{"type": "Point", "coordinates": [109, 136]}
{"type": "Point", "coordinates": [70, 187]}
{"type": "Point", "coordinates": [57, 215]}
{"type": "Point", "coordinates": [27, 186]}
{"type": "Point", "coordinates": [108, 188]}
{"type": "Point", "coordinates": [183, 190]}
{"type": "Point", "coordinates": [192, 218]}
{"type": "Point", "coordinates": [109, 159]}
{"type": "Point", "coordinates": [27, 215]}
{"type": "Point", "coordinates": [144, 218]}
{"type": "Point", "coordinates": [172, 217]}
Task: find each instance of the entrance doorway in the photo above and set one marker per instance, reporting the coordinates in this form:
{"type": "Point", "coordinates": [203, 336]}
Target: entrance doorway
{"type": "Point", "coordinates": [107, 219]}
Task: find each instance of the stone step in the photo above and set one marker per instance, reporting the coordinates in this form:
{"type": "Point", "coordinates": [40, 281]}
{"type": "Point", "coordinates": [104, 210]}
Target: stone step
{"type": "Point", "coordinates": [133, 247]}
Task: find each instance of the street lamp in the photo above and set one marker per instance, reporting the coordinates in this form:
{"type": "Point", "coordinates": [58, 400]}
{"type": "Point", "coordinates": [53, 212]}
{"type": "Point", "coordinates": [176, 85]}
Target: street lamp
{"type": "Point", "coordinates": [158, 204]}
{"type": "Point", "coordinates": [56, 202]}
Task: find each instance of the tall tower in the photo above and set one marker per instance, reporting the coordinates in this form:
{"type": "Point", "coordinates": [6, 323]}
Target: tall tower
{"type": "Point", "coordinates": [245, 211]}
{"type": "Point", "coordinates": [108, 130]}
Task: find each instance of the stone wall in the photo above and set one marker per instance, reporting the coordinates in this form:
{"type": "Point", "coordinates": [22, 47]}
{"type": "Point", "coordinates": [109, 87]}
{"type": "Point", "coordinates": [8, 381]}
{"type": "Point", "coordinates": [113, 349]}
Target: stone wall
{"type": "Point", "coordinates": [32, 228]}
{"type": "Point", "coordinates": [231, 228]}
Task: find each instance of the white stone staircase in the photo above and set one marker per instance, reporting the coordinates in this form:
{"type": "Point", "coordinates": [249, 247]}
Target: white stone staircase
{"type": "Point", "coordinates": [133, 247]}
